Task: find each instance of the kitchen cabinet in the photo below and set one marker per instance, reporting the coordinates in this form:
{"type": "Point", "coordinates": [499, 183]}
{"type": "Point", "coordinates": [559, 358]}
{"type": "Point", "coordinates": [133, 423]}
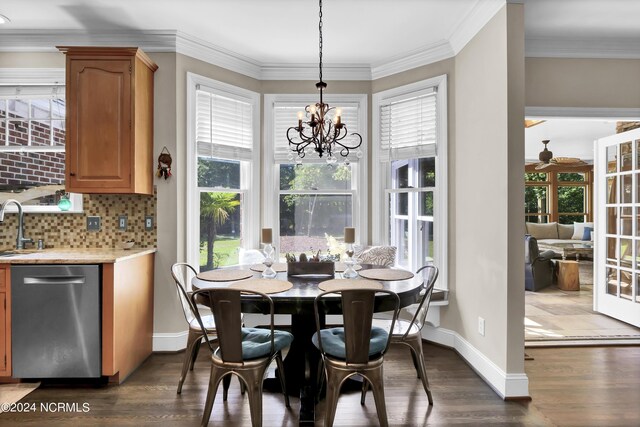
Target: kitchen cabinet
{"type": "Point", "coordinates": [109, 139]}
{"type": "Point", "coordinates": [126, 305]}
{"type": "Point", "coordinates": [5, 321]}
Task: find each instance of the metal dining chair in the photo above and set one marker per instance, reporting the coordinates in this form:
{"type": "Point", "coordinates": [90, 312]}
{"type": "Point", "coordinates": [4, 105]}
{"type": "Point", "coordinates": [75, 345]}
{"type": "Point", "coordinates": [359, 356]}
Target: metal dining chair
{"type": "Point", "coordinates": [182, 274]}
{"type": "Point", "coordinates": [244, 352]}
{"type": "Point", "coordinates": [409, 333]}
{"type": "Point", "coordinates": [358, 348]}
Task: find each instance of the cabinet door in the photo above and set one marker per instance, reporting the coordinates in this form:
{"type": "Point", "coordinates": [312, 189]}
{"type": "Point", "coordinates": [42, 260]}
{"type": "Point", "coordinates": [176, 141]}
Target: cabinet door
{"type": "Point", "coordinates": [4, 335]}
{"type": "Point", "coordinates": [99, 149]}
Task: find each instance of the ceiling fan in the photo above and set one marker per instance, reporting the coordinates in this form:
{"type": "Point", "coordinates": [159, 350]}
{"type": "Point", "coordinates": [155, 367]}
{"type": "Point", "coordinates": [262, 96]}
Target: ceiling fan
{"type": "Point", "coordinates": [546, 159]}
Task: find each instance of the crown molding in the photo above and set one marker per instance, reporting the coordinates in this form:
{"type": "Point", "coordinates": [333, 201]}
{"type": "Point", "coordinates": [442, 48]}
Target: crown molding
{"type": "Point", "coordinates": [546, 47]}
{"type": "Point", "coordinates": [582, 112]}
{"type": "Point", "coordinates": [471, 23]}
{"type": "Point", "coordinates": [32, 76]}
{"type": "Point", "coordinates": [310, 72]}
{"type": "Point", "coordinates": [423, 56]}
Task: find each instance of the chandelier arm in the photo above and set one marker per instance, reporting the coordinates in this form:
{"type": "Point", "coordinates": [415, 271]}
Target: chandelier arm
{"type": "Point", "coordinates": [350, 147]}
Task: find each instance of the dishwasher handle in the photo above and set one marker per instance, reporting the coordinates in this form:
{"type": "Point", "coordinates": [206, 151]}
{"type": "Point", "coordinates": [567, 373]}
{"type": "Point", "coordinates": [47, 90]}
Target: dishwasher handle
{"type": "Point", "coordinates": [54, 280]}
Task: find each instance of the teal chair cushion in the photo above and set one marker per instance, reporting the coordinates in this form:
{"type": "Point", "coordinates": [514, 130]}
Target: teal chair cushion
{"type": "Point", "coordinates": [257, 342]}
{"type": "Point", "coordinates": [333, 342]}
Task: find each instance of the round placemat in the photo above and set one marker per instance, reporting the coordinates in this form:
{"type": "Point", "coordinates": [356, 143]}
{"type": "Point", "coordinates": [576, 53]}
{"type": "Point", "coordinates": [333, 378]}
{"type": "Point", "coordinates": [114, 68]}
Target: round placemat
{"type": "Point", "coordinates": [335, 284]}
{"type": "Point", "coordinates": [386, 274]}
{"type": "Point", "coordinates": [278, 267]}
{"type": "Point", "coordinates": [341, 266]}
{"type": "Point", "coordinates": [266, 286]}
{"type": "Point", "coordinates": [224, 275]}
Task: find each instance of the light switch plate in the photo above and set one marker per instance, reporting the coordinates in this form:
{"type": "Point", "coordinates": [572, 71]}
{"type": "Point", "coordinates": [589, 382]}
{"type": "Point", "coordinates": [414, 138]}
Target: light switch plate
{"type": "Point", "coordinates": [93, 223]}
{"type": "Point", "coordinates": [122, 222]}
{"type": "Point", "coordinates": [148, 223]}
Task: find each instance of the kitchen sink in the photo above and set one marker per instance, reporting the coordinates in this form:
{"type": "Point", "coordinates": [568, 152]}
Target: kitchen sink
{"type": "Point", "coordinates": [7, 253]}
{"type": "Point", "coordinates": [13, 252]}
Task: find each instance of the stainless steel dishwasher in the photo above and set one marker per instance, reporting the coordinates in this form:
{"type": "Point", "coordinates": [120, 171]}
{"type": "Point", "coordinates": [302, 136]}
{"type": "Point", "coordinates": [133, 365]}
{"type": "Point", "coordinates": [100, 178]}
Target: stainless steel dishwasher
{"type": "Point", "coordinates": [55, 321]}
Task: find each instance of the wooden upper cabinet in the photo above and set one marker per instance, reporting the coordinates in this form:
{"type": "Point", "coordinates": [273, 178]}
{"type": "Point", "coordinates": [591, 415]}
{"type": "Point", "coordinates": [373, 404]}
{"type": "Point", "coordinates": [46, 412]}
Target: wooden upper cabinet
{"type": "Point", "coordinates": [109, 145]}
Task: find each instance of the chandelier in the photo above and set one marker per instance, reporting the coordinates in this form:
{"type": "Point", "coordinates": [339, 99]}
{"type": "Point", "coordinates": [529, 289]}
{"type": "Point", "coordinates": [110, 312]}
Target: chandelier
{"type": "Point", "coordinates": [319, 132]}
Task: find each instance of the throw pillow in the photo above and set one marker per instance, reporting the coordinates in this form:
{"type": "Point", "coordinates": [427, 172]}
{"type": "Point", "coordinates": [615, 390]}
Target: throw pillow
{"type": "Point", "coordinates": [543, 231]}
{"type": "Point", "coordinates": [578, 229]}
{"type": "Point", "coordinates": [587, 233]}
{"type": "Point", "coordinates": [378, 255]}
{"type": "Point", "coordinates": [565, 231]}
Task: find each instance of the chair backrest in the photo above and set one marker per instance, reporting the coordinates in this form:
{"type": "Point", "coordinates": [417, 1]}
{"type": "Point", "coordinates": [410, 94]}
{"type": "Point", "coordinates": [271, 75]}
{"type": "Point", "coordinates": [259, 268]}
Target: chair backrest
{"type": "Point", "coordinates": [429, 275]}
{"type": "Point", "coordinates": [357, 312]}
{"type": "Point", "coordinates": [182, 274]}
{"type": "Point", "coordinates": [225, 306]}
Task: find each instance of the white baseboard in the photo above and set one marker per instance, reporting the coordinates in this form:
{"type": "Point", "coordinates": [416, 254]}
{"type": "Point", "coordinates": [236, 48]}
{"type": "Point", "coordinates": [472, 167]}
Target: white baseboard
{"type": "Point", "coordinates": [170, 341]}
{"type": "Point", "coordinates": [505, 385]}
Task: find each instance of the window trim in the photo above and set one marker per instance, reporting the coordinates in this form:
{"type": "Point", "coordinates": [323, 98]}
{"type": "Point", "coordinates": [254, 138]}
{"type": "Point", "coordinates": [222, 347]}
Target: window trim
{"type": "Point", "coordinates": [271, 183]}
{"type": "Point", "coordinates": [381, 175]}
{"type": "Point", "coordinates": [38, 77]}
{"type": "Point", "coordinates": [249, 170]}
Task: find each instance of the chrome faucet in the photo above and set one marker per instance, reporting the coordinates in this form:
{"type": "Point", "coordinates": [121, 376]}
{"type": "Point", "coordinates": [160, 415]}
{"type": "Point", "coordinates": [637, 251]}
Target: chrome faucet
{"type": "Point", "coordinates": [20, 240]}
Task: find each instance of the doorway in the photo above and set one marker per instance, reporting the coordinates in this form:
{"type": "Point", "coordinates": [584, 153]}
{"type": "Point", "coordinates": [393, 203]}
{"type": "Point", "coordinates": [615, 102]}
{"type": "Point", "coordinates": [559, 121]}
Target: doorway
{"type": "Point", "coordinates": [564, 195]}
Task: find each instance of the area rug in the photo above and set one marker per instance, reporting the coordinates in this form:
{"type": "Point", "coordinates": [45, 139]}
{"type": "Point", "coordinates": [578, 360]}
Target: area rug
{"type": "Point", "coordinates": [12, 393]}
{"type": "Point", "coordinates": [556, 316]}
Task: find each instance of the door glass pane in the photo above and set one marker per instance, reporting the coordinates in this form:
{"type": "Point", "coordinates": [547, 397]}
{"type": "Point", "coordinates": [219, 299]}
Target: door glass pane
{"type": "Point", "coordinates": [59, 131]}
{"type": "Point", "coordinates": [625, 284]}
{"type": "Point", "coordinates": [307, 221]}
{"type": "Point", "coordinates": [626, 221]}
{"type": "Point", "coordinates": [611, 189]}
{"type": "Point", "coordinates": [18, 132]}
{"type": "Point", "coordinates": [638, 154]}
{"type": "Point", "coordinates": [612, 281]}
{"type": "Point", "coordinates": [220, 229]}
{"type": "Point", "coordinates": [612, 220]}
{"type": "Point", "coordinates": [625, 188]}
{"type": "Point", "coordinates": [535, 176]}
{"type": "Point", "coordinates": [541, 219]}
{"type": "Point", "coordinates": [625, 253]}
{"type": "Point", "coordinates": [570, 219]}
{"type": "Point", "coordinates": [611, 250]}
{"type": "Point", "coordinates": [625, 153]}
{"type": "Point", "coordinates": [612, 158]}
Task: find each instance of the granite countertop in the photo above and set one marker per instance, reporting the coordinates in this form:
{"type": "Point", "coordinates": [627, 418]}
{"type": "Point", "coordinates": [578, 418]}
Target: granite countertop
{"type": "Point", "coordinates": [72, 256]}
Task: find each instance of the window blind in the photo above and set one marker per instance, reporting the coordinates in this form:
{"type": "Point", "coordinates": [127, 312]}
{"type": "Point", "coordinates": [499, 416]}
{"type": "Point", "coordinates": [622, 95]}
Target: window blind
{"type": "Point", "coordinates": [408, 126]}
{"type": "Point", "coordinates": [224, 127]}
{"type": "Point", "coordinates": [286, 115]}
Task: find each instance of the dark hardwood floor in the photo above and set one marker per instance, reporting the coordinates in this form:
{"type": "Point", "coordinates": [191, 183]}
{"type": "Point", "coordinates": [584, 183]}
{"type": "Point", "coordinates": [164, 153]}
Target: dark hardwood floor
{"type": "Point", "coordinates": [569, 387]}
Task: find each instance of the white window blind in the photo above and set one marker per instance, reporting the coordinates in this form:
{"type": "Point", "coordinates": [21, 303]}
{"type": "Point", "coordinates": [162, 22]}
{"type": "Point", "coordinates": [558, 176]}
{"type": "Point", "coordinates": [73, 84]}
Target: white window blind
{"type": "Point", "coordinates": [286, 115]}
{"type": "Point", "coordinates": [408, 126]}
{"type": "Point", "coordinates": [224, 127]}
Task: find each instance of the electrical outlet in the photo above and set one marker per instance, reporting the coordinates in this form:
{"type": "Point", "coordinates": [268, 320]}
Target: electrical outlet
{"type": "Point", "coordinates": [481, 326]}
{"type": "Point", "coordinates": [93, 223]}
{"type": "Point", "coordinates": [122, 222]}
{"type": "Point", "coordinates": [148, 223]}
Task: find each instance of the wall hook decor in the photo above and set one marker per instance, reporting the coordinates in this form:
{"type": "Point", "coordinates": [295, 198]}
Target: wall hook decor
{"type": "Point", "coordinates": [164, 164]}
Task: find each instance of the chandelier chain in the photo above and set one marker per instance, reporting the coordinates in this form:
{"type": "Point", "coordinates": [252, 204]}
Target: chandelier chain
{"type": "Point", "coordinates": [320, 43]}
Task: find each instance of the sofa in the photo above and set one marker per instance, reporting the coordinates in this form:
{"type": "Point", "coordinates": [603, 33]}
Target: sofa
{"type": "Point", "coordinates": [551, 236]}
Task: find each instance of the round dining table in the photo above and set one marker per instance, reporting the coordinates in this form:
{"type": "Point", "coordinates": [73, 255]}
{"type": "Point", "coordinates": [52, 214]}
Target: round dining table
{"type": "Point", "coordinates": [302, 359]}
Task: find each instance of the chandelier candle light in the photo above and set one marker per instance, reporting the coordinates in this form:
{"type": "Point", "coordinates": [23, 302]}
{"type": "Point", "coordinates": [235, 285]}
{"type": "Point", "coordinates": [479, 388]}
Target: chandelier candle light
{"type": "Point", "coordinates": [349, 240]}
{"type": "Point", "coordinates": [267, 239]}
{"type": "Point", "coordinates": [324, 135]}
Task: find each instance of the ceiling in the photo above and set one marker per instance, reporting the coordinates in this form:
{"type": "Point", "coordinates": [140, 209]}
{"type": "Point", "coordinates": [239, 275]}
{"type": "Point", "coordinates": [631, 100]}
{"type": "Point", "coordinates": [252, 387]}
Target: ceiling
{"type": "Point", "coordinates": [568, 137]}
{"type": "Point", "coordinates": [362, 32]}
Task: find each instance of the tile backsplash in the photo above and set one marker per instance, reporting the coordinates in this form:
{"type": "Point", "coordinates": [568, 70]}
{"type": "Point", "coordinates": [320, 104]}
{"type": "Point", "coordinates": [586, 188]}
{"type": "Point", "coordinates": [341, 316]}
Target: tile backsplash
{"type": "Point", "coordinates": [69, 230]}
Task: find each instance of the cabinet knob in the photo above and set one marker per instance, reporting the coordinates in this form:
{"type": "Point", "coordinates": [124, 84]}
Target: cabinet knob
{"type": "Point", "coordinates": [72, 174]}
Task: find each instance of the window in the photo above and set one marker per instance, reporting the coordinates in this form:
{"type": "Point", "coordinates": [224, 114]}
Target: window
{"type": "Point", "coordinates": [312, 202]}
{"type": "Point", "coordinates": [32, 144]}
{"type": "Point", "coordinates": [560, 195]}
{"type": "Point", "coordinates": [223, 184]}
{"type": "Point", "coordinates": [409, 174]}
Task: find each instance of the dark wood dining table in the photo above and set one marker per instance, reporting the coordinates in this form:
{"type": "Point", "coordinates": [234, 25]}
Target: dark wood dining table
{"type": "Point", "coordinates": [302, 359]}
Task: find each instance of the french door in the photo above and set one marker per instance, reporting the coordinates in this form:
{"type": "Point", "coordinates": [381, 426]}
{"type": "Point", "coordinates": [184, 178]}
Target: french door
{"type": "Point", "coordinates": [617, 227]}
